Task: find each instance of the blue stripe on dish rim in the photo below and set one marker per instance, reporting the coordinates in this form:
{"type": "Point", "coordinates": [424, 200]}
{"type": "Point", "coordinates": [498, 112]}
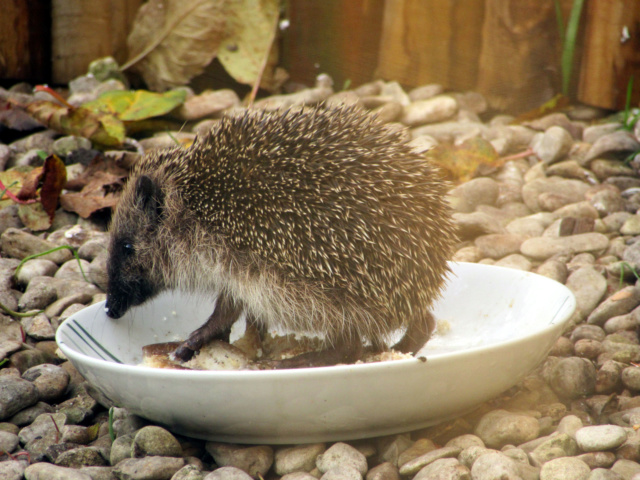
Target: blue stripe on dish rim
{"type": "Point", "coordinates": [87, 340]}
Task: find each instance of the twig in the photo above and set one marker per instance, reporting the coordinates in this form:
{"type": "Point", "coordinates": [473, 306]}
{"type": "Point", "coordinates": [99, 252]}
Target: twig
{"type": "Point", "coordinates": [265, 60]}
{"type": "Point", "coordinates": [528, 152]}
{"type": "Point", "coordinates": [12, 196]}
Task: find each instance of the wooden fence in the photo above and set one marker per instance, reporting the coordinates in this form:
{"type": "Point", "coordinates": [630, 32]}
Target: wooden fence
{"type": "Point", "coordinates": [509, 50]}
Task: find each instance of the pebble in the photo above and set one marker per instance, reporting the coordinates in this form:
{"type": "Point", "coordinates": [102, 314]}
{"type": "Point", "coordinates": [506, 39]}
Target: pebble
{"type": "Point", "coordinates": [383, 471]}
{"type": "Point", "coordinates": [573, 377]}
{"type": "Point", "coordinates": [121, 449]}
{"type": "Point", "coordinates": [494, 465]}
{"type": "Point", "coordinates": [303, 476]}
{"type": "Point", "coordinates": [20, 244]}
{"type": "Point", "coordinates": [477, 191]}
{"type": "Point", "coordinates": [12, 470]}
{"type": "Point", "coordinates": [618, 141]}
{"type": "Point", "coordinates": [573, 190]}
{"type": "Point", "coordinates": [298, 458]}
{"type": "Point", "coordinates": [148, 468]}
{"type": "Point", "coordinates": [631, 378]}
{"type": "Point", "coordinates": [342, 472]}
{"type": "Point", "coordinates": [555, 446]}
{"type": "Point", "coordinates": [8, 442]}
{"type": "Point", "coordinates": [228, 473]}
{"type": "Point", "coordinates": [340, 454]}
{"type": "Point", "coordinates": [50, 381]}
{"type": "Point", "coordinates": [500, 427]}
{"type": "Point", "coordinates": [620, 303]}
{"type": "Point", "coordinates": [36, 267]}
{"type": "Point", "coordinates": [566, 468]}
{"type": "Point", "coordinates": [80, 457]}
{"type": "Point", "coordinates": [600, 437]}
{"type": "Point", "coordinates": [15, 394]}
{"type": "Point", "coordinates": [154, 440]}
{"type": "Point", "coordinates": [47, 471]}
{"type": "Point", "coordinates": [432, 110]}
{"type": "Point", "coordinates": [448, 468]}
{"type": "Point", "coordinates": [499, 245]}
{"type": "Point", "coordinates": [552, 145]}
{"type": "Point", "coordinates": [208, 103]}
{"type": "Point", "coordinates": [253, 460]}
{"type": "Point", "coordinates": [414, 465]}
{"type": "Point", "coordinates": [626, 468]}
{"type": "Point", "coordinates": [541, 248]}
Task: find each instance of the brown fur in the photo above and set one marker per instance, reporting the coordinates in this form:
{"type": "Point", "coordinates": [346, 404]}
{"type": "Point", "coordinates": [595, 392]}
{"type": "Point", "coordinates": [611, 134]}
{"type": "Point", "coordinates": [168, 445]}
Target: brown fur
{"type": "Point", "coordinates": [318, 220]}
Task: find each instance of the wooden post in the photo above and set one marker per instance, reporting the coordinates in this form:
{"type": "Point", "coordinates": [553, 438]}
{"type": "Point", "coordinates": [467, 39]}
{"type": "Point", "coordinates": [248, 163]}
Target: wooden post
{"type": "Point", "coordinates": [520, 59]}
{"type": "Point", "coordinates": [337, 37]}
{"type": "Point", "coordinates": [25, 41]}
{"type": "Point", "coordinates": [84, 30]}
{"type": "Point", "coordinates": [431, 41]}
{"type": "Point", "coordinates": [611, 53]}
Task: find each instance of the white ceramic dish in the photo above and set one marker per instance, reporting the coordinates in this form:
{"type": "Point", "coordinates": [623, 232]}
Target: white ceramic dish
{"type": "Point", "coordinates": [497, 325]}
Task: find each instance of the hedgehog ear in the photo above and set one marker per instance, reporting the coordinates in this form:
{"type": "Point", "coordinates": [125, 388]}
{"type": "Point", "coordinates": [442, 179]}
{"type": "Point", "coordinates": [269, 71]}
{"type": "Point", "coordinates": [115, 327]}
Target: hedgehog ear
{"type": "Point", "coordinates": [150, 197]}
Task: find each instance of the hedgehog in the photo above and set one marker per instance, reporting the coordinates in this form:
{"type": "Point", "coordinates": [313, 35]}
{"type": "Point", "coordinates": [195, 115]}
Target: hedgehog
{"type": "Point", "coordinates": [319, 220]}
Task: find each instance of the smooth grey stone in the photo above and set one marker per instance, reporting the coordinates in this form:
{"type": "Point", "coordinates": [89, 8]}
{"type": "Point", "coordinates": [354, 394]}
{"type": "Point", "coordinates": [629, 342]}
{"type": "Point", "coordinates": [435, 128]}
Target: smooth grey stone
{"type": "Point", "coordinates": [15, 394]}
{"type": "Point", "coordinates": [444, 468]}
{"type": "Point", "coordinates": [494, 465]}
{"type": "Point", "coordinates": [253, 460]}
{"type": "Point", "coordinates": [297, 458]}
{"type": "Point", "coordinates": [50, 380]}
{"type": "Point", "coordinates": [500, 427]}
{"type": "Point", "coordinates": [153, 440]}
{"type": "Point", "coordinates": [47, 471]}
{"type": "Point", "coordinates": [228, 473]}
{"type": "Point", "coordinates": [148, 467]}
{"type": "Point", "coordinates": [340, 454]}
{"type": "Point", "coordinates": [600, 437]}
{"type": "Point", "coordinates": [567, 468]}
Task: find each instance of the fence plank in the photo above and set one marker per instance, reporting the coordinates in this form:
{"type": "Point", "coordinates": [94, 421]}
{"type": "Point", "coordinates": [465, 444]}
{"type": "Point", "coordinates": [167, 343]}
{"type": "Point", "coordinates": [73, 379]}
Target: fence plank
{"type": "Point", "coordinates": [609, 60]}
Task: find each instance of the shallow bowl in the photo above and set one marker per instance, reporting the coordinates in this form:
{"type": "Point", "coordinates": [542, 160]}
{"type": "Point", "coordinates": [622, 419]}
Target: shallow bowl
{"type": "Point", "coordinates": [495, 326]}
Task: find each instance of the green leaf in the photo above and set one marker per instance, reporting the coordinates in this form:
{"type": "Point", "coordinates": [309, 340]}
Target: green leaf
{"type": "Point", "coordinates": [136, 105]}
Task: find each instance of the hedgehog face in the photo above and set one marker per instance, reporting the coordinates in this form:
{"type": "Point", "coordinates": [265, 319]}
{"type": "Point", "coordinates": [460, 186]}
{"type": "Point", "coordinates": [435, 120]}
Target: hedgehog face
{"type": "Point", "coordinates": [130, 276]}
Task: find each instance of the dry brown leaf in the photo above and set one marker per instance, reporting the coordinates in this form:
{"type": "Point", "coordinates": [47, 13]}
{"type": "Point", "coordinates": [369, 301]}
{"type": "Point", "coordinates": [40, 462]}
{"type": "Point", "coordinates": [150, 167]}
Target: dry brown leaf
{"type": "Point", "coordinates": [252, 27]}
{"type": "Point", "coordinates": [90, 199]}
{"type": "Point", "coordinates": [173, 40]}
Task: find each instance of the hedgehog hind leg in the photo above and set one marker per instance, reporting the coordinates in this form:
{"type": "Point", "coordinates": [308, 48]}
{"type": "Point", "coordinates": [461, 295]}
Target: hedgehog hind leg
{"type": "Point", "coordinates": [217, 326]}
{"type": "Point", "coordinates": [417, 334]}
{"type": "Point", "coordinates": [340, 352]}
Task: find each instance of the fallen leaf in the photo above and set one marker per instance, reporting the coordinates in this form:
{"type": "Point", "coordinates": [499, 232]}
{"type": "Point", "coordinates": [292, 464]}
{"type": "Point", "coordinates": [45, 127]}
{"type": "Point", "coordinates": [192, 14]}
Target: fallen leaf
{"type": "Point", "coordinates": [137, 105]}
{"type": "Point", "coordinates": [53, 179]}
{"type": "Point", "coordinates": [98, 188]}
{"type": "Point", "coordinates": [100, 128]}
{"type": "Point", "coordinates": [16, 118]}
{"type": "Point", "coordinates": [105, 169]}
{"type": "Point", "coordinates": [88, 201]}
{"type": "Point", "coordinates": [555, 104]}
{"type": "Point", "coordinates": [251, 26]}
{"type": "Point", "coordinates": [13, 179]}
{"type": "Point", "coordinates": [30, 184]}
{"type": "Point", "coordinates": [34, 216]}
{"type": "Point", "coordinates": [171, 41]}
{"type": "Point", "coordinates": [462, 162]}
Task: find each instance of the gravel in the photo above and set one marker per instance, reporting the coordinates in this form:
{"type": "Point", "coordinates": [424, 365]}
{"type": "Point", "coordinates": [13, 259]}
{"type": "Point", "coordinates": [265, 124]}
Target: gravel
{"type": "Point", "coordinates": [565, 205]}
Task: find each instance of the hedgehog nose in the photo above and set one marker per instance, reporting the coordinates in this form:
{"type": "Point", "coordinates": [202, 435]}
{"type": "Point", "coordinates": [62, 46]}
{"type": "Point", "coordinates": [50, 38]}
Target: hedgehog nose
{"type": "Point", "coordinates": [110, 310]}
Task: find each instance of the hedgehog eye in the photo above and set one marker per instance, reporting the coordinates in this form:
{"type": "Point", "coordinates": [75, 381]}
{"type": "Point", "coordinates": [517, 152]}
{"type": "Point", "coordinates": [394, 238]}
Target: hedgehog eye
{"type": "Point", "coordinates": [127, 249]}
